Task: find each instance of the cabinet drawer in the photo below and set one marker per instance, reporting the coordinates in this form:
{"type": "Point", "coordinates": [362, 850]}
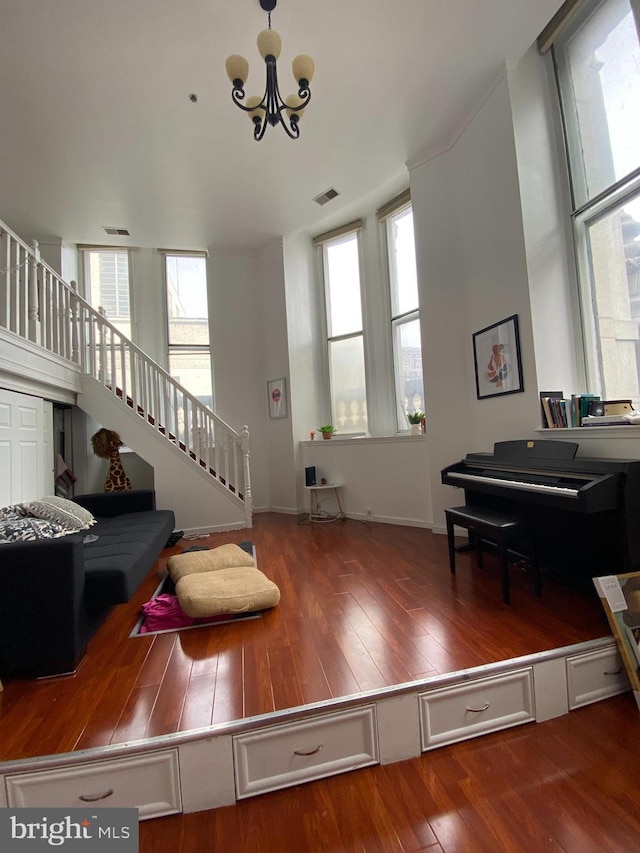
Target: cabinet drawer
{"type": "Point", "coordinates": [309, 749]}
{"type": "Point", "coordinates": [149, 782]}
{"type": "Point", "coordinates": [594, 676]}
{"type": "Point", "coordinates": [474, 708]}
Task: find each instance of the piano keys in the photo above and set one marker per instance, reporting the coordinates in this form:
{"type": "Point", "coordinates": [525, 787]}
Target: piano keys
{"type": "Point", "coordinates": [586, 511]}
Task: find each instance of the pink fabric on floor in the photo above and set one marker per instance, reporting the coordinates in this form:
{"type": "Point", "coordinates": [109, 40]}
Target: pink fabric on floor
{"type": "Point", "coordinates": [164, 613]}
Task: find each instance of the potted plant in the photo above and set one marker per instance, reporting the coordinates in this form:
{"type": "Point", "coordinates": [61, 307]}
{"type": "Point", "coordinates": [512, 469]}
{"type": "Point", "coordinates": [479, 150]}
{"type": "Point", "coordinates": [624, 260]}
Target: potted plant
{"type": "Point", "coordinates": [415, 419]}
{"type": "Point", "coordinates": [327, 431]}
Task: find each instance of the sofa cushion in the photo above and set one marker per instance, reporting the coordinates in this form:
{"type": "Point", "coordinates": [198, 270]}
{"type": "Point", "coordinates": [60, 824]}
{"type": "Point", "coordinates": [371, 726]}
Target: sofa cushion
{"type": "Point", "coordinates": [20, 528]}
{"type": "Point", "coordinates": [241, 589]}
{"type": "Point", "coordinates": [127, 546]}
{"type": "Point", "coordinates": [210, 560]}
{"type": "Point", "coordinates": [61, 511]}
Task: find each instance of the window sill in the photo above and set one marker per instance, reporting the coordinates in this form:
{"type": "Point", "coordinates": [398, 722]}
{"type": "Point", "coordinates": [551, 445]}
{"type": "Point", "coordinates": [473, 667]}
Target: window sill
{"type": "Point", "coordinates": [604, 432]}
{"type": "Point", "coordinates": [364, 439]}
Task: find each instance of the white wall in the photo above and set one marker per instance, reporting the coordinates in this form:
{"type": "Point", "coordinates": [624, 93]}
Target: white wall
{"type": "Point", "coordinates": [472, 267]}
{"type": "Point", "coordinates": [278, 433]}
{"type": "Point", "coordinates": [389, 475]}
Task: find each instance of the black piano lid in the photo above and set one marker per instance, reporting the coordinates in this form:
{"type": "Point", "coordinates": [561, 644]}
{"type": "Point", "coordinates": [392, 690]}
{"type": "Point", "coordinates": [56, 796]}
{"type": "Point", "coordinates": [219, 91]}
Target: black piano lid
{"type": "Point", "coordinates": [524, 449]}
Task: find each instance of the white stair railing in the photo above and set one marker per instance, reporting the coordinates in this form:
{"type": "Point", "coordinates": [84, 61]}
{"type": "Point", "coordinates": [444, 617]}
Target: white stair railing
{"type": "Point", "coordinates": [36, 304]}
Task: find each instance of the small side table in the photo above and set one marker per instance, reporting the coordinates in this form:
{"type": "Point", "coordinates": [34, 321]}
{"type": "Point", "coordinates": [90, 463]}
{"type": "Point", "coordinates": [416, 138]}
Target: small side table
{"type": "Point", "coordinates": [314, 505]}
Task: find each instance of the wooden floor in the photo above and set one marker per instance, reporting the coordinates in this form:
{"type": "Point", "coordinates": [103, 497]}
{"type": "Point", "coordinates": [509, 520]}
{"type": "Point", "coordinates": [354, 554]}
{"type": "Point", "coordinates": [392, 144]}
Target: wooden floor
{"type": "Point", "coordinates": [571, 784]}
{"type": "Point", "coordinates": [363, 607]}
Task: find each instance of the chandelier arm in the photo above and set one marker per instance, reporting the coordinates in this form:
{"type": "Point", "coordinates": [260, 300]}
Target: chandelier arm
{"type": "Point", "coordinates": [259, 128]}
{"type": "Point", "coordinates": [275, 103]}
{"type": "Point", "coordinates": [294, 132]}
{"type": "Point", "coordinates": [238, 93]}
{"type": "Point", "coordinates": [305, 94]}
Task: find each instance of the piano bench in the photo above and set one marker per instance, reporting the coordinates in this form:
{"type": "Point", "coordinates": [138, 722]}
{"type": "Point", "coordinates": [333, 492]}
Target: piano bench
{"type": "Point", "coordinates": [496, 527]}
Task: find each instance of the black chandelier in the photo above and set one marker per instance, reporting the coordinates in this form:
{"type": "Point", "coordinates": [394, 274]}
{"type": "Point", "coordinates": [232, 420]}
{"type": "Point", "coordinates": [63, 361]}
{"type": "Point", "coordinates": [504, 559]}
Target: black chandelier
{"type": "Point", "coordinates": [271, 108]}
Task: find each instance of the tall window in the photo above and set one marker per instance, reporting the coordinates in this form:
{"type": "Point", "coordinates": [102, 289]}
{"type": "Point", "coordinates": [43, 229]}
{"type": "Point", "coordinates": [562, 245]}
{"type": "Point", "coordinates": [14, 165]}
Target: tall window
{"type": "Point", "coordinates": [106, 277]}
{"type": "Point", "coordinates": [597, 59]}
{"type": "Point", "coordinates": [345, 343]}
{"type": "Point", "coordinates": [188, 324]}
{"type": "Point", "coordinates": [405, 315]}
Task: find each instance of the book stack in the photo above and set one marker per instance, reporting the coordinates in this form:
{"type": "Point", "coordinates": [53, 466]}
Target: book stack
{"type": "Point", "coordinates": [554, 409]}
{"type": "Point", "coordinates": [608, 413]}
{"type": "Point", "coordinates": [559, 413]}
{"type": "Point", "coordinates": [604, 420]}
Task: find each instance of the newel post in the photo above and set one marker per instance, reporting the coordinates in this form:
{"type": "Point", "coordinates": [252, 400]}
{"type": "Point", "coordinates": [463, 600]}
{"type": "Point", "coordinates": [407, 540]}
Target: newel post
{"type": "Point", "coordinates": [243, 440]}
{"type": "Point", "coordinates": [33, 310]}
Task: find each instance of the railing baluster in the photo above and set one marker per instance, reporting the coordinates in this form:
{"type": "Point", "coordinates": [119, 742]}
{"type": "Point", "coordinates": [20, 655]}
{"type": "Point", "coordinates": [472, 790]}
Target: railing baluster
{"type": "Point", "coordinates": [33, 323]}
{"type": "Point", "coordinates": [5, 256]}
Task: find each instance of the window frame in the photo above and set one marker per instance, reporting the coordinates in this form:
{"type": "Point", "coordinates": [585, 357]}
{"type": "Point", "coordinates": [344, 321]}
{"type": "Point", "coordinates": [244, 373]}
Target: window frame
{"type": "Point", "coordinates": [85, 252]}
{"type": "Point", "coordinates": [385, 215]}
{"type": "Point", "coordinates": [323, 242]}
{"type": "Point", "coordinates": [184, 349]}
{"type": "Point", "coordinates": [588, 212]}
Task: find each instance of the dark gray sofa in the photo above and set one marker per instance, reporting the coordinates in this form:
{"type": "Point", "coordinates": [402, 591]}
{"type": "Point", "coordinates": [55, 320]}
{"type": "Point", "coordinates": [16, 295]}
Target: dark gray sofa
{"type": "Point", "coordinates": [54, 593]}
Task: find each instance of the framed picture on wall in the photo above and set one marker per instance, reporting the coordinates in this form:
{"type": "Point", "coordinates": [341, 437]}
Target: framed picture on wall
{"type": "Point", "coordinates": [496, 355]}
{"type": "Point", "coordinates": [277, 398]}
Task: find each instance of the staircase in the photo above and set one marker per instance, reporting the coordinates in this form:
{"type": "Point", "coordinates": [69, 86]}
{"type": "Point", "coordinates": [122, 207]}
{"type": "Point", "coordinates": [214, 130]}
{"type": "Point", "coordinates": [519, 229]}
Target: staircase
{"type": "Point", "coordinates": [119, 385]}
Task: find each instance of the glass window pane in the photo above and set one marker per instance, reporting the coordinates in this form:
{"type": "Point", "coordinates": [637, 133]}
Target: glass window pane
{"type": "Point", "coordinates": [599, 66]}
{"type": "Point", "coordinates": [614, 255]}
{"type": "Point", "coordinates": [402, 263]}
{"type": "Point", "coordinates": [107, 285]}
{"type": "Point", "coordinates": [187, 309]}
{"type": "Point", "coordinates": [348, 396]}
{"type": "Point", "coordinates": [342, 276]}
{"type": "Point", "coordinates": [407, 351]}
{"type": "Point", "coordinates": [192, 369]}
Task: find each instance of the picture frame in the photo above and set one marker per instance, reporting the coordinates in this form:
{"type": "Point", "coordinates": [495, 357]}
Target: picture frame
{"type": "Point", "coordinates": [497, 360]}
{"type": "Point", "coordinates": [277, 398]}
{"type": "Point", "coordinates": [620, 598]}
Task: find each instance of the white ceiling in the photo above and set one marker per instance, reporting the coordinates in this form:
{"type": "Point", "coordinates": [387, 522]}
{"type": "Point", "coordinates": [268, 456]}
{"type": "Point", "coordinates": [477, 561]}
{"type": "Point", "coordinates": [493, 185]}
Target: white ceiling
{"type": "Point", "coordinates": [97, 128]}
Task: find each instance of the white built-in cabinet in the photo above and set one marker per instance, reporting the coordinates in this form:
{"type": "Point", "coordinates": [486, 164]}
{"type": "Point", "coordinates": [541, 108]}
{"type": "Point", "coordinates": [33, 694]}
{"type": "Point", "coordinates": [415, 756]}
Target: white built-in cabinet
{"type": "Point", "coordinates": [207, 769]}
{"type": "Point", "coordinates": [149, 782]}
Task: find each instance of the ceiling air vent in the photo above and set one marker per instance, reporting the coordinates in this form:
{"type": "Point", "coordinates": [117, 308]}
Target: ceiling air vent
{"type": "Point", "coordinates": [326, 196]}
{"type": "Point", "coordinates": [116, 232]}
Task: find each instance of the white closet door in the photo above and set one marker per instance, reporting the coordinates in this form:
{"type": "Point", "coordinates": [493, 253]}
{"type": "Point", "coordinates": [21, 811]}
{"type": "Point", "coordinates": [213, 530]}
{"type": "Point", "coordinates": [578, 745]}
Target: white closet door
{"type": "Point", "coordinates": [25, 447]}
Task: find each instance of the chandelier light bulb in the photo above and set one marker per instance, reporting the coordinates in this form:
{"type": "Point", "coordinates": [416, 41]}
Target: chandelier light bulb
{"type": "Point", "coordinates": [303, 68]}
{"type": "Point", "coordinates": [269, 44]}
{"type": "Point", "coordinates": [237, 68]}
{"type": "Point", "coordinates": [293, 101]}
{"type": "Point", "coordinates": [255, 110]}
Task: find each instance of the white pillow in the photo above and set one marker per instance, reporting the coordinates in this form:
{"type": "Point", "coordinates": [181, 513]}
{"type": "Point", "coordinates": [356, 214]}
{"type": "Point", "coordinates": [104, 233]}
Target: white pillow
{"type": "Point", "coordinates": [66, 513]}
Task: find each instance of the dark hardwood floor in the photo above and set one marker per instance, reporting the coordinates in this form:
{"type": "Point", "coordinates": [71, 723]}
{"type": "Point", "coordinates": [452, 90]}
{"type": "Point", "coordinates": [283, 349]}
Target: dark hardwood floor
{"type": "Point", "coordinates": [571, 784]}
{"type": "Point", "coordinates": [363, 607]}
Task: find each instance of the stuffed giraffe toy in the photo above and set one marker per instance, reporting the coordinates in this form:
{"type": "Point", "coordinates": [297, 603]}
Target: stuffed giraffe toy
{"type": "Point", "coordinates": [106, 444]}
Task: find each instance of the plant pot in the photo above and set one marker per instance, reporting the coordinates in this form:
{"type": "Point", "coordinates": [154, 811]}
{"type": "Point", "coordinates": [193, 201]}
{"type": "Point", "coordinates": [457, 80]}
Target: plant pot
{"type": "Point", "coordinates": [327, 435]}
{"type": "Point", "coordinates": [416, 429]}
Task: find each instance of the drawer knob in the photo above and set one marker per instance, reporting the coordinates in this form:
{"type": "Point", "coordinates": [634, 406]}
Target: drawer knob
{"type": "Point", "coordinates": [93, 798]}
{"type": "Point", "coordinates": [479, 710]}
{"type": "Point", "coordinates": [615, 672]}
{"type": "Point", "coordinates": [308, 752]}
